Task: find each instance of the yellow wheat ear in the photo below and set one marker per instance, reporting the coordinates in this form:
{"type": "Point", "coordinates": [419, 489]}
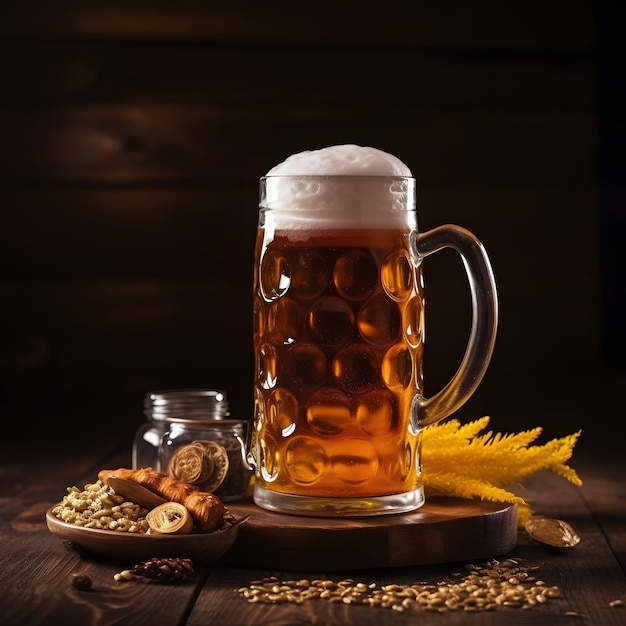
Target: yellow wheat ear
{"type": "Point", "coordinates": [458, 462]}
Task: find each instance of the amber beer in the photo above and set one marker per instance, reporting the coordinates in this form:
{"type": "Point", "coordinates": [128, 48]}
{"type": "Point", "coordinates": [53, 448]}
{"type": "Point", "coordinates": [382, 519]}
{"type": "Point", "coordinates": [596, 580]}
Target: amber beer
{"type": "Point", "coordinates": [338, 321]}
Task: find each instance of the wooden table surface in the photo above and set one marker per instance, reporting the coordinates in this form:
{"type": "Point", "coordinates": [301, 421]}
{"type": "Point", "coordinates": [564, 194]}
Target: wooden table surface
{"type": "Point", "coordinates": [37, 568]}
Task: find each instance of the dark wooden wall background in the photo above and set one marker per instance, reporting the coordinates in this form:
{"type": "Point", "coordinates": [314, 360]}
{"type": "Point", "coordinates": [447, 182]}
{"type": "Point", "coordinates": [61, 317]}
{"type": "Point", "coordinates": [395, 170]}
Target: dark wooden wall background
{"type": "Point", "coordinates": [133, 137]}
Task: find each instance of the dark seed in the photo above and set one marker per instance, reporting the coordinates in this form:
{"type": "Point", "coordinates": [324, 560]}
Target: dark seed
{"type": "Point", "coordinates": [81, 582]}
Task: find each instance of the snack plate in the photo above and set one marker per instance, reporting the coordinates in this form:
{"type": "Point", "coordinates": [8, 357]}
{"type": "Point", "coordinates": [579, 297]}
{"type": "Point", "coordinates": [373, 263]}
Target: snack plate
{"type": "Point", "coordinates": [201, 547]}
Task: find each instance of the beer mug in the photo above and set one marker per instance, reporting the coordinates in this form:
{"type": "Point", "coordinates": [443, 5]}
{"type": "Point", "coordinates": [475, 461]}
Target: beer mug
{"type": "Point", "coordinates": [339, 334]}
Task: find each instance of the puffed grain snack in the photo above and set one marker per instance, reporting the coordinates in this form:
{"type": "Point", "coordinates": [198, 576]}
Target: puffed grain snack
{"type": "Point", "coordinates": [98, 506]}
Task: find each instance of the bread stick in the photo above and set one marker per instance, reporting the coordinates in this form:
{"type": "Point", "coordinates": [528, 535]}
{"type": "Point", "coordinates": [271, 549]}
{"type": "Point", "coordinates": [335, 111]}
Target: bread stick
{"type": "Point", "coordinates": [206, 509]}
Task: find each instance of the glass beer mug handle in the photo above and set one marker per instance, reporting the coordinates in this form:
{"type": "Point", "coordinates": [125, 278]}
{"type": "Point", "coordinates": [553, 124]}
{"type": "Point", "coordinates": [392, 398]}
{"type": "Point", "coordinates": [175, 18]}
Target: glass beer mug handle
{"type": "Point", "coordinates": [484, 319]}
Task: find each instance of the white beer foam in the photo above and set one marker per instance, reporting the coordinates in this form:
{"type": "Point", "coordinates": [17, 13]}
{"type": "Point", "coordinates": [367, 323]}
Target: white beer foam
{"type": "Point", "coordinates": [343, 186]}
{"type": "Point", "coordinates": [341, 160]}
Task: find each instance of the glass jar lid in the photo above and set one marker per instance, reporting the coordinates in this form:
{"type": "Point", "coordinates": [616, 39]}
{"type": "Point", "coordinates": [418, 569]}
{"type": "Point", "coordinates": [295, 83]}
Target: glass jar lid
{"type": "Point", "coordinates": [201, 404]}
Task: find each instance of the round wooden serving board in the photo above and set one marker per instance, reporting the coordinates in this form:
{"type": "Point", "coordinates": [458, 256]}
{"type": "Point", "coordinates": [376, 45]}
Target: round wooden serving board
{"type": "Point", "coordinates": [441, 531]}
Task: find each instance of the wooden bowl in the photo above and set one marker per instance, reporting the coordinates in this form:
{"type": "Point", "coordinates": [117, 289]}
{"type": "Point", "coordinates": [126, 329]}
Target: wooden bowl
{"type": "Point", "coordinates": [111, 544]}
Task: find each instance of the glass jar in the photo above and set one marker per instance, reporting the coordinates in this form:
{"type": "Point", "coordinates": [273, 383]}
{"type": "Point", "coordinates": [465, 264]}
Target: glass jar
{"type": "Point", "coordinates": [161, 406]}
{"type": "Point", "coordinates": [208, 453]}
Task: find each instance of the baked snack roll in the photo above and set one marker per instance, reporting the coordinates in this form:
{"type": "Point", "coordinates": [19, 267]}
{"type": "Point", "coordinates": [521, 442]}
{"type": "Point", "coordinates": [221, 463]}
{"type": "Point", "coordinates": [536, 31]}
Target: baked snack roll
{"type": "Point", "coordinates": [206, 509]}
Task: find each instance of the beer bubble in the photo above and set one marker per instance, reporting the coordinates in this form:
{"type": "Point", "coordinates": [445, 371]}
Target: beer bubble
{"type": "Point", "coordinates": [376, 413]}
{"type": "Point", "coordinates": [268, 458]}
{"type": "Point", "coordinates": [331, 320]}
{"type": "Point", "coordinates": [396, 275]}
{"type": "Point", "coordinates": [355, 275]}
{"type": "Point", "coordinates": [309, 276]}
{"type": "Point", "coordinates": [267, 368]}
{"type": "Point", "coordinates": [254, 452]}
{"type": "Point", "coordinates": [354, 460]}
{"type": "Point", "coordinates": [397, 367]}
{"type": "Point", "coordinates": [283, 321]}
{"type": "Point", "coordinates": [413, 321]}
{"type": "Point", "coordinates": [355, 367]}
{"type": "Point", "coordinates": [328, 412]}
{"type": "Point", "coordinates": [282, 412]}
{"type": "Point", "coordinates": [306, 365]}
{"type": "Point", "coordinates": [304, 460]}
{"type": "Point", "coordinates": [401, 461]}
{"type": "Point", "coordinates": [396, 459]}
{"type": "Point", "coordinates": [259, 408]}
{"type": "Point", "coordinates": [258, 317]}
{"type": "Point", "coordinates": [274, 276]}
{"type": "Point", "coordinates": [379, 320]}
{"type": "Point", "coordinates": [409, 459]}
